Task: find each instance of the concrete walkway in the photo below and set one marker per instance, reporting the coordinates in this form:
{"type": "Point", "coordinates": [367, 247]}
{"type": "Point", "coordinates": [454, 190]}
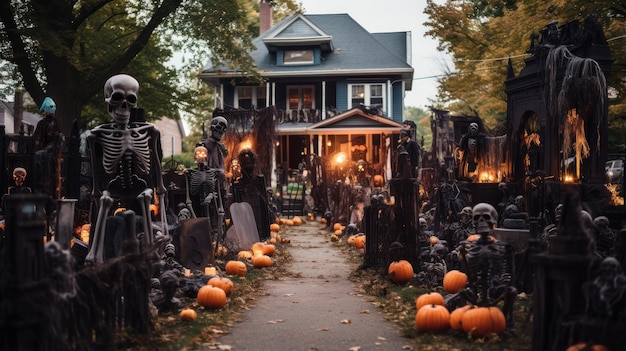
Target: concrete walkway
{"type": "Point", "coordinates": [316, 308]}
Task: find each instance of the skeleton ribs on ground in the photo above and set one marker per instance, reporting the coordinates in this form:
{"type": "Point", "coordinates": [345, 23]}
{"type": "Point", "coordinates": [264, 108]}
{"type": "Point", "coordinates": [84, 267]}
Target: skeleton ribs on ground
{"type": "Point", "coordinates": [126, 164]}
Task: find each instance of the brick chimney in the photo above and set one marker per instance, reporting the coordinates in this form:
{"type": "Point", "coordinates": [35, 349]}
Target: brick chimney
{"type": "Point", "coordinates": [265, 14]}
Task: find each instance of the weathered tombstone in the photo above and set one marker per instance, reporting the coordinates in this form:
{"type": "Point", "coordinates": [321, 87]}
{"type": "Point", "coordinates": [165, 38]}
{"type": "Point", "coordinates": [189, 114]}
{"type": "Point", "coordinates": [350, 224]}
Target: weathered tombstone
{"type": "Point", "coordinates": [22, 263]}
{"type": "Point", "coordinates": [196, 244]}
{"type": "Point", "coordinates": [243, 233]}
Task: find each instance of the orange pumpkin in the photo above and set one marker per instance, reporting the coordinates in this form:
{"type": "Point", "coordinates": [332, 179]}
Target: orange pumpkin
{"type": "Point", "coordinates": [237, 268]}
{"type": "Point", "coordinates": [338, 232]}
{"type": "Point", "coordinates": [261, 261]}
{"type": "Point", "coordinates": [433, 240]}
{"type": "Point", "coordinates": [379, 180]}
{"type": "Point", "coordinates": [223, 283]}
{"type": "Point", "coordinates": [274, 227]}
{"type": "Point", "coordinates": [244, 254]}
{"type": "Point", "coordinates": [351, 239]}
{"type": "Point", "coordinates": [297, 220]}
{"type": "Point", "coordinates": [359, 242]}
{"type": "Point", "coordinates": [457, 315]}
{"type": "Point", "coordinates": [211, 297]}
{"type": "Point", "coordinates": [454, 281]}
{"type": "Point", "coordinates": [483, 321]}
{"type": "Point", "coordinates": [337, 226]}
{"type": "Point", "coordinates": [269, 249]}
{"type": "Point", "coordinates": [434, 318]}
{"type": "Point", "coordinates": [188, 314]}
{"type": "Point", "coordinates": [585, 346]}
{"type": "Point", "coordinates": [257, 248]}
{"type": "Point", "coordinates": [323, 220]}
{"type": "Point", "coordinates": [430, 298]}
{"type": "Point", "coordinates": [400, 271]}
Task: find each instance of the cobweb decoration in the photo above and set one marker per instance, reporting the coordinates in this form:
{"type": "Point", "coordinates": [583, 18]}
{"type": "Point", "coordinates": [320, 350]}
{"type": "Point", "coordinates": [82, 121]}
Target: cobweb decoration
{"type": "Point", "coordinates": [581, 99]}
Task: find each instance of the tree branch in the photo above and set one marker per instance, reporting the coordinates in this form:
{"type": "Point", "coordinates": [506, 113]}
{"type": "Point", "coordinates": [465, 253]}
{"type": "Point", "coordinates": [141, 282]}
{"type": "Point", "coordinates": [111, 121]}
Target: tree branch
{"type": "Point", "coordinates": [167, 8]}
{"type": "Point", "coordinates": [20, 55]}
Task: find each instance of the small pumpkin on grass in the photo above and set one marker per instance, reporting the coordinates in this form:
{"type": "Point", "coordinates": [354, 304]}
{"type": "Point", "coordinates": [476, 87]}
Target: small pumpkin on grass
{"type": "Point", "coordinates": [188, 314]}
{"type": "Point", "coordinates": [237, 268]}
{"type": "Point", "coordinates": [454, 281]}
{"type": "Point", "coordinates": [359, 242]}
{"type": "Point", "coordinates": [223, 283]}
{"type": "Point", "coordinates": [583, 346]}
{"type": "Point", "coordinates": [211, 297]}
{"type": "Point", "coordinates": [457, 316]}
{"type": "Point", "coordinates": [400, 271]}
{"type": "Point", "coordinates": [483, 321]}
{"type": "Point", "coordinates": [262, 261]}
{"type": "Point", "coordinates": [434, 318]}
{"type": "Point", "coordinates": [429, 298]}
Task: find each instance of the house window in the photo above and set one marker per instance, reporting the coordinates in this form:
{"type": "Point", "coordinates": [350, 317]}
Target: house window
{"type": "Point", "coordinates": [251, 97]}
{"type": "Point", "coordinates": [300, 97]}
{"type": "Point", "coordinates": [367, 94]}
{"type": "Point", "coordinates": [298, 57]}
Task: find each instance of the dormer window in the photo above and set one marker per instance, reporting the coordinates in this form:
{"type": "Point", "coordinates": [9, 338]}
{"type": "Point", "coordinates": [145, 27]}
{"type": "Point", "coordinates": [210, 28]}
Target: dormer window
{"type": "Point", "coordinates": [298, 57]}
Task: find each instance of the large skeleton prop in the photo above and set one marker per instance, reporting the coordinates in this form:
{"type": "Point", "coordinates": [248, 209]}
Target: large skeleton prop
{"type": "Point", "coordinates": [484, 260]}
{"type": "Point", "coordinates": [126, 164]}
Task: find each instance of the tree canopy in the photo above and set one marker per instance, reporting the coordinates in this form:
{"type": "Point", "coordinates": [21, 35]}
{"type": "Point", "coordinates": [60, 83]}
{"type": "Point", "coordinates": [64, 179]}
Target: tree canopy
{"type": "Point", "coordinates": [67, 50]}
{"type": "Point", "coordinates": [481, 36]}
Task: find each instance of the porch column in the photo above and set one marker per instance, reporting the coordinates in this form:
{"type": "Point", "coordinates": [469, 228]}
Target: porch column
{"type": "Point", "coordinates": [273, 175]}
{"type": "Point", "coordinates": [389, 103]}
{"type": "Point", "coordinates": [274, 93]}
{"type": "Point", "coordinates": [319, 145]}
{"type": "Point", "coordinates": [267, 94]}
{"type": "Point", "coordinates": [323, 100]}
{"type": "Point", "coordinates": [221, 106]}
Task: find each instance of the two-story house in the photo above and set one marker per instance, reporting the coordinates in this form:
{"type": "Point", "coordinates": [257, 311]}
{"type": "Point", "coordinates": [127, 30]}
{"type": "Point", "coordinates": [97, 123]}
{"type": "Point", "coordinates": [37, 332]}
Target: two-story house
{"type": "Point", "coordinates": [336, 88]}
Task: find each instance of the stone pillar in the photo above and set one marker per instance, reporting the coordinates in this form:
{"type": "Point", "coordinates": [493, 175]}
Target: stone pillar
{"type": "Point", "coordinates": [559, 276]}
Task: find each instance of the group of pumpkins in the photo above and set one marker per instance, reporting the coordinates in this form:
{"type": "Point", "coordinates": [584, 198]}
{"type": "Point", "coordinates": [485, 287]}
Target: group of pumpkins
{"type": "Point", "coordinates": [432, 315]}
{"type": "Point", "coordinates": [357, 240]}
{"type": "Point", "coordinates": [214, 295]}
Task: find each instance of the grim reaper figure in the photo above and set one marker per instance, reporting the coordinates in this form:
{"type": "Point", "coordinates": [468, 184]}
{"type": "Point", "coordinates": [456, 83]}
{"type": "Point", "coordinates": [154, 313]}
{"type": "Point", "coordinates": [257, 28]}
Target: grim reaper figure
{"type": "Point", "coordinates": [126, 164]}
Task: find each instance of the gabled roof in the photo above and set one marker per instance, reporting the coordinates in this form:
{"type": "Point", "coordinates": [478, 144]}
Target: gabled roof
{"type": "Point", "coordinates": [298, 31]}
{"type": "Point", "coordinates": [355, 120]}
{"type": "Point", "coordinates": [355, 51]}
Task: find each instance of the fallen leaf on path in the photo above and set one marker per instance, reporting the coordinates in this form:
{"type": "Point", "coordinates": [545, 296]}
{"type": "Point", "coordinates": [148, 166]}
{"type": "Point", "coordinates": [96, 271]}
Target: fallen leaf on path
{"type": "Point", "coordinates": [355, 348]}
{"type": "Point", "coordinates": [365, 311]}
{"type": "Point", "coordinates": [275, 321]}
{"type": "Point", "coordinates": [324, 329]}
{"type": "Point", "coordinates": [381, 338]}
{"type": "Point", "coordinates": [346, 321]}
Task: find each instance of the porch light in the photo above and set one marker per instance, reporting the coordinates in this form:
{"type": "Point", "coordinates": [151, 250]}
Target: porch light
{"type": "Point", "coordinates": [340, 158]}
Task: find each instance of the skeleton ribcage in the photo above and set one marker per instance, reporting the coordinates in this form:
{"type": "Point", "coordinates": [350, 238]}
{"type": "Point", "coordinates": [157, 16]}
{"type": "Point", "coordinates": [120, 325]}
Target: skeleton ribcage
{"type": "Point", "coordinates": [120, 144]}
{"type": "Point", "coordinates": [203, 182]}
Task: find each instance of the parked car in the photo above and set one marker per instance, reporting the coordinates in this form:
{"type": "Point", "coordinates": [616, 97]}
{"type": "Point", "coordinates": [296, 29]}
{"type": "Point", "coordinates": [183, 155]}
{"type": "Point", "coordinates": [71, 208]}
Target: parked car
{"type": "Point", "coordinates": [614, 169]}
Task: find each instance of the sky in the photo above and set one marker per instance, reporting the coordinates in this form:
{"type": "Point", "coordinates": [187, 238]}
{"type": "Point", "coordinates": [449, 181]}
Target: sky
{"type": "Point", "coordinates": [396, 16]}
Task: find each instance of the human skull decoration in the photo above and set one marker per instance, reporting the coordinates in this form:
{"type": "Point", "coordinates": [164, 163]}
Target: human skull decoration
{"type": "Point", "coordinates": [473, 128]}
{"type": "Point", "coordinates": [558, 212]}
{"type": "Point", "coordinates": [466, 215]}
{"type": "Point", "coordinates": [200, 154]}
{"type": "Point", "coordinates": [485, 217]}
{"type": "Point", "coordinates": [423, 224]}
{"type": "Point", "coordinates": [19, 176]}
{"type": "Point", "coordinates": [602, 223]}
{"type": "Point", "coordinates": [120, 94]}
{"type": "Point", "coordinates": [218, 127]}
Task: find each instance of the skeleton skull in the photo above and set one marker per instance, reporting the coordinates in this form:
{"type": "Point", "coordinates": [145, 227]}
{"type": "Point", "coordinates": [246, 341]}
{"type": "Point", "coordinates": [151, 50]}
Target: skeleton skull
{"type": "Point", "coordinates": [466, 215]}
{"type": "Point", "coordinates": [120, 93]}
{"type": "Point", "coordinates": [485, 218]}
{"type": "Point", "coordinates": [473, 128]}
{"type": "Point", "coordinates": [601, 222]}
{"type": "Point", "coordinates": [200, 154]}
{"type": "Point", "coordinates": [218, 127]}
{"type": "Point", "coordinates": [19, 176]}
{"type": "Point", "coordinates": [558, 211]}
{"type": "Point", "coordinates": [423, 224]}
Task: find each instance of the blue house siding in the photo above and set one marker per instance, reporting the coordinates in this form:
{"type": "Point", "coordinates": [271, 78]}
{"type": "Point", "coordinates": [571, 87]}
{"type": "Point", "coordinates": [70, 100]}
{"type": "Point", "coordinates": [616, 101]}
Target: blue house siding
{"type": "Point", "coordinates": [342, 96]}
{"type": "Point", "coordinates": [397, 107]}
